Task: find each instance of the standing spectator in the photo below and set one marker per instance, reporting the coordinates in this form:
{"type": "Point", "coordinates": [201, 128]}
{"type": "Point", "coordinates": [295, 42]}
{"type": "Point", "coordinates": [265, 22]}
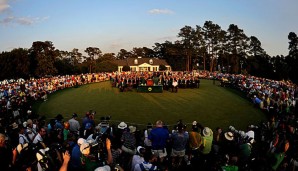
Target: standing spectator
{"type": "Point", "coordinates": [195, 141]}
{"type": "Point", "coordinates": [179, 141]}
{"type": "Point", "coordinates": [39, 138]}
{"type": "Point", "coordinates": [66, 131]}
{"type": "Point", "coordinates": [218, 138]}
{"type": "Point", "coordinates": [128, 146]}
{"type": "Point", "coordinates": [118, 134]}
{"type": "Point", "coordinates": [31, 129]}
{"type": "Point", "coordinates": [88, 130]}
{"type": "Point", "coordinates": [206, 147]}
{"type": "Point", "coordinates": [129, 141]}
{"type": "Point", "coordinates": [74, 125]}
{"type": "Point", "coordinates": [149, 158]}
{"type": "Point", "coordinates": [6, 154]}
{"type": "Point", "coordinates": [159, 137]}
{"type": "Point", "coordinates": [58, 122]}
{"type": "Point", "coordinates": [88, 161]}
{"type": "Point", "coordinates": [207, 141]}
{"type": "Point", "coordinates": [147, 142]}
{"type": "Point", "coordinates": [75, 161]}
{"type": "Point", "coordinates": [22, 137]}
{"type": "Point", "coordinates": [138, 158]}
{"type": "Point", "coordinates": [175, 86]}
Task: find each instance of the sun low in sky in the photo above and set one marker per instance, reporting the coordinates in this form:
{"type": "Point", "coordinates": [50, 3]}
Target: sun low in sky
{"type": "Point", "coordinates": [123, 24]}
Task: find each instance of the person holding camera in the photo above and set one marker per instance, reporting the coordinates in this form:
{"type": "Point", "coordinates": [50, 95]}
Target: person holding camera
{"type": "Point", "coordinates": [89, 161]}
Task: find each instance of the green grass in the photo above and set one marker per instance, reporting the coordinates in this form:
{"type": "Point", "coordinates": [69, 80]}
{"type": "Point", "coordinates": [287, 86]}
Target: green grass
{"type": "Point", "coordinates": [210, 105]}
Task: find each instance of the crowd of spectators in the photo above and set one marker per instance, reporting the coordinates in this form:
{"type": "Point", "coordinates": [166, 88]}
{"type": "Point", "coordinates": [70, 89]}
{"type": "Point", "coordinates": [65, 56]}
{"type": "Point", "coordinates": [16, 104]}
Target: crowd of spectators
{"type": "Point", "coordinates": [27, 141]}
{"type": "Point", "coordinates": [170, 81]}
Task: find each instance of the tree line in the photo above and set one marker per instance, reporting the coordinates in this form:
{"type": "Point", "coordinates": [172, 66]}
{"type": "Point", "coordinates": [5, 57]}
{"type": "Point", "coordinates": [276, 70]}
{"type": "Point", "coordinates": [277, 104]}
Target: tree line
{"type": "Point", "coordinates": [206, 47]}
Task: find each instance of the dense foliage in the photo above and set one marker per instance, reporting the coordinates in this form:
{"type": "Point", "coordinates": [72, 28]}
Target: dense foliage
{"type": "Point", "coordinates": [206, 47]}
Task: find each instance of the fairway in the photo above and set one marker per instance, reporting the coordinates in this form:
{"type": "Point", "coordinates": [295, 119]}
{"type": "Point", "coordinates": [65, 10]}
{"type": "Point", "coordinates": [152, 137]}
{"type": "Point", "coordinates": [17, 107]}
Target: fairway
{"type": "Point", "coordinates": [210, 105]}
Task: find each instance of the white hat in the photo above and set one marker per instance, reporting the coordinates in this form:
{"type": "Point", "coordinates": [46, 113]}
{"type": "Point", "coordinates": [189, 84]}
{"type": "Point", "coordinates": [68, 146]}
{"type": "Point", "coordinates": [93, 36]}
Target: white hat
{"type": "Point", "coordinates": [103, 168]}
{"type": "Point", "coordinates": [229, 136]}
{"type": "Point", "coordinates": [25, 124]}
{"type": "Point", "coordinates": [194, 123]}
{"type": "Point", "coordinates": [139, 149]}
{"type": "Point", "coordinates": [122, 125]}
{"type": "Point", "coordinates": [207, 132]}
{"type": "Point", "coordinates": [81, 141]}
{"type": "Point", "coordinates": [85, 148]}
{"type": "Point", "coordinates": [250, 134]}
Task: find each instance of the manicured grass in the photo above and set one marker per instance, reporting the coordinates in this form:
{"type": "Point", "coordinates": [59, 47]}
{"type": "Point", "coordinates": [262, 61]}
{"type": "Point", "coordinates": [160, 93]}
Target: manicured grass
{"type": "Point", "coordinates": [210, 105]}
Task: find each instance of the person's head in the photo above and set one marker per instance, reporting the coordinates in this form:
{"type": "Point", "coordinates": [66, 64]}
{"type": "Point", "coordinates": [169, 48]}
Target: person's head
{"type": "Point", "coordinates": [42, 131]}
{"type": "Point", "coordinates": [141, 150]}
{"type": "Point", "coordinates": [149, 157]}
{"type": "Point", "coordinates": [21, 129]}
{"type": "Point", "coordinates": [74, 115]}
{"type": "Point", "coordinates": [159, 124]}
{"type": "Point", "coordinates": [66, 125]}
{"type": "Point", "coordinates": [29, 123]}
{"type": "Point", "coordinates": [181, 127]}
{"type": "Point", "coordinates": [81, 141]}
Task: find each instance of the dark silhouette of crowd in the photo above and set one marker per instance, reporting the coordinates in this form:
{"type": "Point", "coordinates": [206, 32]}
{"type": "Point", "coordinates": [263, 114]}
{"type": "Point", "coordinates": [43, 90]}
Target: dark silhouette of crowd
{"type": "Point", "coordinates": [28, 142]}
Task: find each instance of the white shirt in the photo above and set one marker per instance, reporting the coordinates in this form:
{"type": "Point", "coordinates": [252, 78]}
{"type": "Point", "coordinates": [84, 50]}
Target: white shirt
{"type": "Point", "coordinates": [147, 166]}
{"type": "Point", "coordinates": [136, 159]}
{"type": "Point", "coordinates": [175, 83]}
{"type": "Point", "coordinates": [23, 139]}
{"type": "Point", "coordinates": [251, 134]}
{"type": "Point", "coordinates": [74, 125]}
{"type": "Point", "coordinates": [37, 139]}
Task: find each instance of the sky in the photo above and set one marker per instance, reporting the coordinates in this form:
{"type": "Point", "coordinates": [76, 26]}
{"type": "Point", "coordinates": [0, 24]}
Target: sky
{"type": "Point", "coordinates": [112, 25]}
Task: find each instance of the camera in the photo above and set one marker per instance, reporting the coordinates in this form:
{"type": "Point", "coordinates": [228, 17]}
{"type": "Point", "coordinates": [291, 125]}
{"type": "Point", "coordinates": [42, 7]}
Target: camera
{"type": "Point", "coordinates": [97, 140]}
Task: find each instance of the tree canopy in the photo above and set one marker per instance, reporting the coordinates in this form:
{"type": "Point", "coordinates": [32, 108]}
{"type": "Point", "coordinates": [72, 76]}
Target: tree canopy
{"type": "Point", "coordinates": [207, 46]}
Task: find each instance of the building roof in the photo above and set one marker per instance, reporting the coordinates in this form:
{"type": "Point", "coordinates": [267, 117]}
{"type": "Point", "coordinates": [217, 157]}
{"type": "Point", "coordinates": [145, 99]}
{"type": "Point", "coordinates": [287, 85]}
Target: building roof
{"type": "Point", "coordinates": [130, 61]}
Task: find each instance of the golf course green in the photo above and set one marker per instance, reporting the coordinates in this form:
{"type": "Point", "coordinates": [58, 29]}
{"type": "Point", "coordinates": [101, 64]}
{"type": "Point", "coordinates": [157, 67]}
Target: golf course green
{"type": "Point", "coordinates": [210, 105]}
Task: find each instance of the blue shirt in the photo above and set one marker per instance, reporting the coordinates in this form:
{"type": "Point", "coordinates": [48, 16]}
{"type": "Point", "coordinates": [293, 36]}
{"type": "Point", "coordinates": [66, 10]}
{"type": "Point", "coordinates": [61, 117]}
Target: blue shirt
{"type": "Point", "coordinates": [159, 137]}
{"type": "Point", "coordinates": [257, 101]}
{"type": "Point", "coordinates": [76, 157]}
{"type": "Point", "coordinates": [180, 140]}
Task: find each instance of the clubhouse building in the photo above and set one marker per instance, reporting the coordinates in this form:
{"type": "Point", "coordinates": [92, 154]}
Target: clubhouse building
{"type": "Point", "coordinates": [142, 64]}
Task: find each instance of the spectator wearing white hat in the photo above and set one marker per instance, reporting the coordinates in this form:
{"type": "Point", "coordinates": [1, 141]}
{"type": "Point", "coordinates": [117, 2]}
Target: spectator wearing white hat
{"type": "Point", "coordinates": [118, 134]}
{"type": "Point", "coordinates": [88, 161]}
{"type": "Point", "coordinates": [207, 141]}
{"type": "Point", "coordinates": [75, 162]}
{"type": "Point", "coordinates": [149, 158]}
{"type": "Point", "coordinates": [138, 158]}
